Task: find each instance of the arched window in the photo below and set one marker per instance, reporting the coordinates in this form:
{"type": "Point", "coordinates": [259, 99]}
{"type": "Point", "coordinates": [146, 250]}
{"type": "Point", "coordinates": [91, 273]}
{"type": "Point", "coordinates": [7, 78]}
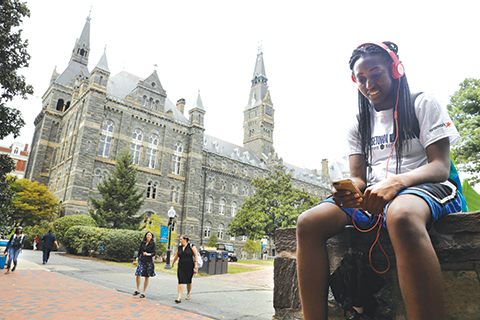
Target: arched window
{"type": "Point", "coordinates": [136, 146]}
{"type": "Point", "coordinates": [209, 204]}
{"type": "Point", "coordinates": [174, 194]}
{"type": "Point", "coordinates": [207, 231]}
{"type": "Point", "coordinates": [234, 208]}
{"type": "Point", "coordinates": [152, 151]}
{"type": "Point", "coordinates": [106, 139]}
{"type": "Point", "coordinates": [97, 178]}
{"type": "Point", "coordinates": [222, 206]}
{"type": "Point", "coordinates": [155, 106]}
{"type": "Point", "coordinates": [144, 101]}
{"type": "Point", "coordinates": [149, 189]}
{"type": "Point", "coordinates": [150, 102]}
{"type": "Point", "coordinates": [177, 158]}
{"type": "Point", "coordinates": [220, 231]}
{"type": "Point", "coordinates": [60, 104]}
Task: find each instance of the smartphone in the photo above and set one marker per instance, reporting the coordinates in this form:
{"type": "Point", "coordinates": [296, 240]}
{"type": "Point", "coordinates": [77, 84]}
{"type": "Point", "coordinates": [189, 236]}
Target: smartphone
{"type": "Point", "coordinates": [346, 184]}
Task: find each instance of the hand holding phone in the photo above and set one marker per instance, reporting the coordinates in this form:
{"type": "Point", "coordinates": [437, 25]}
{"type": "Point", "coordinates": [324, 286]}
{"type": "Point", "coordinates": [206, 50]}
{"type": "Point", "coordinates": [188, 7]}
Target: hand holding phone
{"type": "Point", "coordinates": [347, 185]}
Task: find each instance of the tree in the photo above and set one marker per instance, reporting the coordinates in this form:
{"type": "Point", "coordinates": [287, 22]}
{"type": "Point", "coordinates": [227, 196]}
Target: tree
{"type": "Point", "coordinates": [13, 56]}
{"type": "Point", "coordinates": [121, 199]}
{"type": "Point", "coordinates": [6, 195]}
{"type": "Point", "coordinates": [212, 242]}
{"type": "Point", "coordinates": [253, 247]}
{"type": "Point", "coordinates": [464, 109]}
{"type": "Point", "coordinates": [275, 204]}
{"type": "Point", "coordinates": [32, 203]}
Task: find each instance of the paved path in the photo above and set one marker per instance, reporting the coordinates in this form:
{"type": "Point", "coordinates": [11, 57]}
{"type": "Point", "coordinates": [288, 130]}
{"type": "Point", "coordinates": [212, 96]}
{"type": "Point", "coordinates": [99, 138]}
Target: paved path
{"type": "Point", "coordinates": [69, 288]}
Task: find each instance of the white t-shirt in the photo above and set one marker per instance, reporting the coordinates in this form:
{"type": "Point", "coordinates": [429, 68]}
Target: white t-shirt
{"type": "Point", "coordinates": [434, 122]}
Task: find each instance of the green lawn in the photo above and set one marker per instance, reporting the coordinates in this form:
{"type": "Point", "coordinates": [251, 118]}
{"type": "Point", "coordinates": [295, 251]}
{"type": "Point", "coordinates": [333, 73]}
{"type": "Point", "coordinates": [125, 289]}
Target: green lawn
{"type": "Point", "coordinates": [233, 267]}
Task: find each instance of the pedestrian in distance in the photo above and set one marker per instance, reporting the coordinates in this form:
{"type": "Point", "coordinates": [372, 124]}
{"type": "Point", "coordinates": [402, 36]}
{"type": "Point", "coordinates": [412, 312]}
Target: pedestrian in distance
{"type": "Point", "coordinates": [14, 247]}
{"type": "Point", "coordinates": [35, 242]}
{"type": "Point", "coordinates": [187, 266]}
{"type": "Point", "coordinates": [144, 261]}
{"type": "Point", "coordinates": [48, 241]}
{"type": "Point", "coordinates": [399, 159]}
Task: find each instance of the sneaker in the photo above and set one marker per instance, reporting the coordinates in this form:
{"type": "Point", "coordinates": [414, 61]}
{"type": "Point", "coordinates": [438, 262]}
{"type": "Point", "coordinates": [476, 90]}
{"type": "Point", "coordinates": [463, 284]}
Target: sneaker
{"type": "Point", "coordinates": [14, 267]}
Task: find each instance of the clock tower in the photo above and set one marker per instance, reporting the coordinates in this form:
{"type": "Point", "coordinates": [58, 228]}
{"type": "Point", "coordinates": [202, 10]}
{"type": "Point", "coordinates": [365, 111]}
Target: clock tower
{"type": "Point", "coordinates": [258, 115]}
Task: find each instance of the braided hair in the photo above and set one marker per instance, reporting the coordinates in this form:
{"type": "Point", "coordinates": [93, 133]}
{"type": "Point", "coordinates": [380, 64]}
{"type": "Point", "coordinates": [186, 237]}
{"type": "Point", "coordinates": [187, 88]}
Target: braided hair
{"type": "Point", "coordinates": [407, 124]}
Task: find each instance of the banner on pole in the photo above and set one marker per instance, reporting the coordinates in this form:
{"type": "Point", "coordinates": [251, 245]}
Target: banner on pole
{"type": "Point", "coordinates": [163, 234]}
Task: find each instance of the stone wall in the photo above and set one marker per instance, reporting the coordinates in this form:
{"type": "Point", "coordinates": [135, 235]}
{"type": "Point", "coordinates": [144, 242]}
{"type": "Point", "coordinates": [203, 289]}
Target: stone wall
{"type": "Point", "coordinates": [456, 239]}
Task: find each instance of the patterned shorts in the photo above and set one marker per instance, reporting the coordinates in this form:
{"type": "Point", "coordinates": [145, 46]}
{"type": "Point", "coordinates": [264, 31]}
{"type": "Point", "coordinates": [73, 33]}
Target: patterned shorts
{"type": "Point", "coordinates": [145, 269]}
{"type": "Point", "coordinates": [442, 198]}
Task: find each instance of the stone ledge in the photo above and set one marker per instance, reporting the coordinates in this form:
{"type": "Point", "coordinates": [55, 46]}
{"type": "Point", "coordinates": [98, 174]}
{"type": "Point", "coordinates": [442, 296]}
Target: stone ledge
{"type": "Point", "coordinates": [456, 239]}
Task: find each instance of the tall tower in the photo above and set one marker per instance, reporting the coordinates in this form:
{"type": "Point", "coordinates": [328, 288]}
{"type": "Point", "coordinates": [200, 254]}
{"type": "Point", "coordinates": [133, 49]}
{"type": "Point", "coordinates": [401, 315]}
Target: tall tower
{"type": "Point", "coordinates": [258, 116]}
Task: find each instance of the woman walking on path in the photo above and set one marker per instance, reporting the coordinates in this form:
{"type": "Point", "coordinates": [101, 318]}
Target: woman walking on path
{"type": "Point", "coordinates": [406, 196]}
{"type": "Point", "coordinates": [187, 262]}
{"type": "Point", "coordinates": [14, 247]}
{"type": "Point", "coordinates": [35, 243]}
{"type": "Point", "coordinates": [145, 265]}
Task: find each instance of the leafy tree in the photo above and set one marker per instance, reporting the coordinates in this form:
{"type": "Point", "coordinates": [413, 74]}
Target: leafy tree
{"type": "Point", "coordinates": [121, 199]}
{"type": "Point", "coordinates": [6, 195]}
{"type": "Point", "coordinates": [154, 224]}
{"type": "Point", "coordinates": [212, 242]}
{"type": "Point", "coordinates": [275, 204]}
{"type": "Point", "coordinates": [464, 109]}
{"type": "Point", "coordinates": [253, 247]}
{"type": "Point", "coordinates": [32, 203]}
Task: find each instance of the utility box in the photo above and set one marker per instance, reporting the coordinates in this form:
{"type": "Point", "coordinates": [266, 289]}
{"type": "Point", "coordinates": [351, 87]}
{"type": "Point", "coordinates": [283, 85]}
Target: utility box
{"type": "Point", "coordinates": [3, 258]}
{"type": "Point", "coordinates": [224, 262]}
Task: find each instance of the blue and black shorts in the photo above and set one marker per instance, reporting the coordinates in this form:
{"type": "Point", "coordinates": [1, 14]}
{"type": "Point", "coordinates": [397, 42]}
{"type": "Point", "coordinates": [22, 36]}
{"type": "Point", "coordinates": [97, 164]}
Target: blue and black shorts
{"type": "Point", "coordinates": [442, 198]}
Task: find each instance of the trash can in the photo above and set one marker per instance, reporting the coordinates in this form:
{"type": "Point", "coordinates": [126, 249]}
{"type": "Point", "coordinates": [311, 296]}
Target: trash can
{"type": "Point", "coordinates": [224, 262]}
{"type": "Point", "coordinates": [3, 258]}
{"type": "Point", "coordinates": [219, 263]}
{"type": "Point", "coordinates": [209, 262]}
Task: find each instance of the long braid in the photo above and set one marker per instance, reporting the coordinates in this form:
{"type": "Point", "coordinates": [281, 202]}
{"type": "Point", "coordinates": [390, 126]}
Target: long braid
{"type": "Point", "coordinates": [407, 123]}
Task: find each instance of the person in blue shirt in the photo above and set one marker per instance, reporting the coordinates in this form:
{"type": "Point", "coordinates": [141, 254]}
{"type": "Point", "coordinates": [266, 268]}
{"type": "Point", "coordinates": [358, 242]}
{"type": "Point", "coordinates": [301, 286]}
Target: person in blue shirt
{"type": "Point", "coordinates": [48, 241]}
{"type": "Point", "coordinates": [14, 247]}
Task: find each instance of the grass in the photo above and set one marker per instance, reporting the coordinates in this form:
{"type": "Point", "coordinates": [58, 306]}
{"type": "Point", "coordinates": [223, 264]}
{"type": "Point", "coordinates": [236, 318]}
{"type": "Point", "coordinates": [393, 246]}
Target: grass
{"type": "Point", "coordinates": [233, 267]}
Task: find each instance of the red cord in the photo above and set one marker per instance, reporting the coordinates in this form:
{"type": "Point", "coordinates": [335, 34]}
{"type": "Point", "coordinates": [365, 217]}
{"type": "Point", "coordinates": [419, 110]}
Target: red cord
{"type": "Point", "coordinates": [380, 216]}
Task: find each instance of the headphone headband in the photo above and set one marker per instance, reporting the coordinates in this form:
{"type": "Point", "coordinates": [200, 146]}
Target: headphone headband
{"type": "Point", "coordinates": [398, 70]}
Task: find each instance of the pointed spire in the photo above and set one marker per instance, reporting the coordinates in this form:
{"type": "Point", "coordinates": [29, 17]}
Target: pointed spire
{"type": "Point", "coordinates": [198, 102]}
{"type": "Point", "coordinates": [81, 51]}
{"type": "Point", "coordinates": [102, 64]}
{"type": "Point", "coordinates": [259, 82]}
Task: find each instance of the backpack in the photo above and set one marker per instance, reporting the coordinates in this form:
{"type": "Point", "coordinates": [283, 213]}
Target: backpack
{"type": "Point", "coordinates": [17, 241]}
{"type": "Point", "coordinates": [199, 258]}
{"type": "Point", "coordinates": [453, 175]}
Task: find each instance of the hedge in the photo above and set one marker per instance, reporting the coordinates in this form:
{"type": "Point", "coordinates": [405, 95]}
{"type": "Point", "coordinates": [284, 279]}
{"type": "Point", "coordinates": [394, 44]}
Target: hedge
{"type": "Point", "coordinates": [62, 225]}
{"type": "Point", "coordinates": [121, 244]}
{"type": "Point", "coordinates": [83, 239]}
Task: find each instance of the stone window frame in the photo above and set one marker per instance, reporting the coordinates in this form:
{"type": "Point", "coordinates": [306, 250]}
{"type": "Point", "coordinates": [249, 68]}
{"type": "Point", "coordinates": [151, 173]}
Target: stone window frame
{"type": "Point", "coordinates": [221, 206]}
{"type": "Point", "coordinates": [152, 151]}
{"type": "Point", "coordinates": [221, 231]}
{"type": "Point", "coordinates": [234, 208]}
{"type": "Point", "coordinates": [152, 190]}
{"type": "Point", "coordinates": [207, 230]}
{"type": "Point", "coordinates": [97, 178]}
{"type": "Point", "coordinates": [174, 194]}
{"type": "Point", "coordinates": [136, 145]}
{"type": "Point", "coordinates": [177, 158]}
{"type": "Point", "coordinates": [209, 204]}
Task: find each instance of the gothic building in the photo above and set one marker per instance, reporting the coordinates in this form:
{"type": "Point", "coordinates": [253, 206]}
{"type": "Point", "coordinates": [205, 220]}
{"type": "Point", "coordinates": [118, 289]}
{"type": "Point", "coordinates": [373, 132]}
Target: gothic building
{"type": "Point", "coordinates": [87, 117]}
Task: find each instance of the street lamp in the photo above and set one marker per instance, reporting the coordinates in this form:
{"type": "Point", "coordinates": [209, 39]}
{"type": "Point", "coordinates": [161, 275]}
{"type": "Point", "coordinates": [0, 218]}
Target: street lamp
{"type": "Point", "coordinates": [171, 214]}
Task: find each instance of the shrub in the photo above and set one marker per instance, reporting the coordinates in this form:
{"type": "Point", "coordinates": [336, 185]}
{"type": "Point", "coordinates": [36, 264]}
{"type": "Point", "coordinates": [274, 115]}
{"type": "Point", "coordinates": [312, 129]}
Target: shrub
{"type": "Point", "coordinates": [62, 225]}
{"type": "Point", "coordinates": [39, 230]}
{"type": "Point", "coordinates": [84, 239]}
{"type": "Point", "coordinates": [120, 245]}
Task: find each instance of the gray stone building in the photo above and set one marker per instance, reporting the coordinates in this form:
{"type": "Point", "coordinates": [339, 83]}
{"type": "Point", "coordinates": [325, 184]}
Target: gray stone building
{"type": "Point", "coordinates": [87, 117]}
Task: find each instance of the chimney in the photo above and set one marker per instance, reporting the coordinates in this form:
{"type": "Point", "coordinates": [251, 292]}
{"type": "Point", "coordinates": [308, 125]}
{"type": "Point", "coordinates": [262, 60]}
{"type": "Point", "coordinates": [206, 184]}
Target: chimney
{"type": "Point", "coordinates": [26, 147]}
{"type": "Point", "coordinates": [181, 105]}
{"type": "Point", "coordinates": [324, 166]}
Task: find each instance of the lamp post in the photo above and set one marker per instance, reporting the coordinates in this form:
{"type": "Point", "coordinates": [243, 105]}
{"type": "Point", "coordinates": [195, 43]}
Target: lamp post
{"type": "Point", "coordinates": [171, 215]}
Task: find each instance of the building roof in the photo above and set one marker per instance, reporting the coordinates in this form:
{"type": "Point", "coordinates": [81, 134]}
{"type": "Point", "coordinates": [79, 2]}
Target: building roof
{"type": "Point", "coordinates": [67, 77]}
{"type": "Point", "coordinates": [231, 151]}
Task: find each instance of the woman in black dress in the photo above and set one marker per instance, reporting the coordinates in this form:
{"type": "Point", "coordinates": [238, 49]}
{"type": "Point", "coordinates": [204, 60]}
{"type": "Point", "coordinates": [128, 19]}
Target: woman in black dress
{"type": "Point", "coordinates": [187, 263]}
{"type": "Point", "coordinates": [145, 266]}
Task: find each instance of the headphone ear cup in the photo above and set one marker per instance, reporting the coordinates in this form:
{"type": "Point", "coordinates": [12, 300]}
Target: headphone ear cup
{"type": "Point", "coordinates": [398, 70]}
{"type": "Point", "coordinates": [353, 78]}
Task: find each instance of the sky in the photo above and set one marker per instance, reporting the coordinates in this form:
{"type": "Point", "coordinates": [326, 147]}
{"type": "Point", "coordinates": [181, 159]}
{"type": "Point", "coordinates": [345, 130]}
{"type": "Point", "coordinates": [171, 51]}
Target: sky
{"type": "Point", "coordinates": [211, 46]}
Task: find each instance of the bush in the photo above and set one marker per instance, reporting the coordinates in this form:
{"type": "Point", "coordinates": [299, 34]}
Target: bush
{"type": "Point", "coordinates": [39, 230]}
{"type": "Point", "coordinates": [62, 225]}
{"type": "Point", "coordinates": [84, 239]}
{"type": "Point", "coordinates": [120, 245]}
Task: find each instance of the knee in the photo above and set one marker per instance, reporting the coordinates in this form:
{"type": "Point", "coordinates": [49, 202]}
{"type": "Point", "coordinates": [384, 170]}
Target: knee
{"type": "Point", "coordinates": [314, 225]}
{"type": "Point", "coordinates": [405, 224]}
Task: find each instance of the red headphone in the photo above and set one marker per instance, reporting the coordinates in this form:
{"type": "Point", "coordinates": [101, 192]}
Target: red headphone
{"type": "Point", "coordinates": [398, 70]}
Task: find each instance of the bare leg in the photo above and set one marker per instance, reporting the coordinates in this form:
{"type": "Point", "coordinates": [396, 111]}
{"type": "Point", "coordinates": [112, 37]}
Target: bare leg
{"type": "Point", "coordinates": [419, 272]}
{"type": "Point", "coordinates": [138, 283]}
{"type": "Point", "coordinates": [180, 291]}
{"type": "Point", "coordinates": [189, 288]}
{"type": "Point", "coordinates": [314, 227]}
{"type": "Point", "coordinates": [145, 284]}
